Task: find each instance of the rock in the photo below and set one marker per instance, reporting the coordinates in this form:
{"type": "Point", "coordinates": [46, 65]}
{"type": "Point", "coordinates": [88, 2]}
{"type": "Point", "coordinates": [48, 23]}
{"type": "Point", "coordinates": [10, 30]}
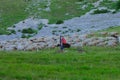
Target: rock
{"type": "Point", "coordinates": [111, 43]}
{"type": "Point", "coordinates": [20, 47]}
{"type": "Point", "coordinates": [51, 42]}
{"type": "Point", "coordinates": [113, 33]}
{"type": "Point", "coordinates": [104, 33]}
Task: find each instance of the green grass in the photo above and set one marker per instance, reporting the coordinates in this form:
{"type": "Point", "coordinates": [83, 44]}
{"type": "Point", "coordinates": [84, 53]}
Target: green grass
{"type": "Point", "coordinates": [59, 9]}
{"type": "Point", "coordinates": [111, 5]}
{"type": "Point", "coordinates": [111, 29]}
{"type": "Point", "coordinates": [97, 63]}
{"type": "Point", "coordinates": [108, 4]}
{"type": "Point", "coordinates": [11, 11]}
{"type": "Point", "coordinates": [100, 11]}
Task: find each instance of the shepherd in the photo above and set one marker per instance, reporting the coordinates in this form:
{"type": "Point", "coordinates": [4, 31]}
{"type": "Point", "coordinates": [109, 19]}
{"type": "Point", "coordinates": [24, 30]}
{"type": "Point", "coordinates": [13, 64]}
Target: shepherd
{"type": "Point", "coordinates": [63, 43]}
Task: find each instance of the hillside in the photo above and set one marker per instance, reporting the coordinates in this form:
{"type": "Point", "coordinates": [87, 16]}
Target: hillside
{"type": "Point", "coordinates": [37, 18]}
{"type": "Point", "coordinates": [31, 29]}
{"type": "Point", "coordinates": [11, 12]}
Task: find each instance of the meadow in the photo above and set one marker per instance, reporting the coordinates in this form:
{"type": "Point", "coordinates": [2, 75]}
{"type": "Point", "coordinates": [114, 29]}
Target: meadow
{"type": "Point", "coordinates": [11, 12]}
{"type": "Point", "coordinates": [95, 63]}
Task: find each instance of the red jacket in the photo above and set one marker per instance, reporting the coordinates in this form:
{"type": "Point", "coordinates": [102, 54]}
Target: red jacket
{"type": "Point", "coordinates": [63, 40]}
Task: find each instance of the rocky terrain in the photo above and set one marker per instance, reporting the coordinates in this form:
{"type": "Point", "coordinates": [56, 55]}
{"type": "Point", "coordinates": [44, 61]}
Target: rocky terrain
{"type": "Point", "coordinates": [80, 25]}
{"type": "Point", "coordinates": [76, 30]}
{"type": "Point", "coordinates": [51, 42]}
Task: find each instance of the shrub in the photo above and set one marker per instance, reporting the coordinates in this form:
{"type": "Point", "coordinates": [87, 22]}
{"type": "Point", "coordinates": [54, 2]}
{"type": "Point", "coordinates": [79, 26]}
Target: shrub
{"type": "Point", "coordinates": [40, 26]}
{"type": "Point", "coordinates": [13, 26]}
{"type": "Point", "coordinates": [118, 5]}
{"type": "Point", "coordinates": [78, 30]}
{"type": "Point", "coordinates": [9, 32]}
{"type": "Point", "coordinates": [114, 12]}
{"type": "Point", "coordinates": [13, 31]}
{"type": "Point", "coordinates": [64, 27]}
{"type": "Point", "coordinates": [80, 0]}
{"type": "Point", "coordinates": [29, 30]}
{"type": "Point", "coordinates": [64, 32]}
{"type": "Point", "coordinates": [54, 32]}
{"type": "Point", "coordinates": [100, 11]}
{"type": "Point", "coordinates": [19, 30]}
{"type": "Point", "coordinates": [59, 31]}
{"type": "Point", "coordinates": [59, 22]}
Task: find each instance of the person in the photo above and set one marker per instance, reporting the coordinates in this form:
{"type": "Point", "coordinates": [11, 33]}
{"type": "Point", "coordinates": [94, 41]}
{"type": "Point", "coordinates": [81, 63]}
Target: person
{"type": "Point", "coordinates": [63, 43]}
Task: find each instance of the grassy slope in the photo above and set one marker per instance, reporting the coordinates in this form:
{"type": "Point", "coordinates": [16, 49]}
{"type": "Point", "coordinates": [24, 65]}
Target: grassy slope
{"type": "Point", "coordinates": [11, 12]}
{"type": "Point", "coordinates": [60, 8]}
{"type": "Point", "coordinates": [97, 63]}
{"type": "Point", "coordinates": [109, 4]}
{"type": "Point", "coordinates": [111, 29]}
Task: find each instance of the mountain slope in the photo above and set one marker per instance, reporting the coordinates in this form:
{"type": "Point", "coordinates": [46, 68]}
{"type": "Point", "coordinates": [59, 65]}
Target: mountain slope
{"type": "Point", "coordinates": [11, 12]}
{"type": "Point", "coordinates": [56, 11]}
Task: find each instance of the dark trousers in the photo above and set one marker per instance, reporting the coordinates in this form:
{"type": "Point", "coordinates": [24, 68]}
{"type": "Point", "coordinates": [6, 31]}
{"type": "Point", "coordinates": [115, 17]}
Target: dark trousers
{"type": "Point", "coordinates": [67, 45]}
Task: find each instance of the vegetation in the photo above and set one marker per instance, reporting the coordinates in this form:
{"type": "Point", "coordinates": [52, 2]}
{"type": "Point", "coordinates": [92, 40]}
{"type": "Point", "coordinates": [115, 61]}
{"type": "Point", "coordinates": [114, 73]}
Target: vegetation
{"type": "Point", "coordinates": [40, 26]}
{"type": "Point", "coordinates": [59, 22]}
{"type": "Point", "coordinates": [8, 32]}
{"type": "Point", "coordinates": [17, 10]}
{"type": "Point", "coordinates": [3, 31]}
{"type": "Point", "coordinates": [27, 35]}
{"type": "Point", "coordinates": [111, 5]}
{"type": "Point", "coordinates": [11, 12]}
{"type": "Point", "coordinates": [59, 10]}
{"type": "Point", "coordinates": [113, 29]}
{"type": "Point", "coordinates": [29, 31]}
{"type": "Point", "coordinates": [12, 31]}
{"type": "Point", "coordinates": [78, 30]}
{"type": "Point", "coordinates": [100, 11]}
{"type": "Point", "coordinates": [118, 5]}
{"type": "Point", "coordinates": [96, 63]}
